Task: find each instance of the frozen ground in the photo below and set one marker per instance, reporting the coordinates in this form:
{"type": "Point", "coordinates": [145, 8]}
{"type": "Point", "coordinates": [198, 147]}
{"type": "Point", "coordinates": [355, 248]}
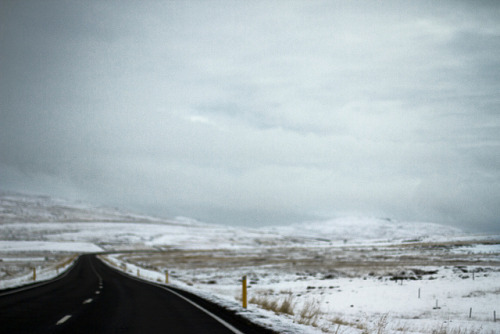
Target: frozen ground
{"type": "Point", "coordinates": [344, 289]}
{"type": "Point", "coordinates": [349, 275]}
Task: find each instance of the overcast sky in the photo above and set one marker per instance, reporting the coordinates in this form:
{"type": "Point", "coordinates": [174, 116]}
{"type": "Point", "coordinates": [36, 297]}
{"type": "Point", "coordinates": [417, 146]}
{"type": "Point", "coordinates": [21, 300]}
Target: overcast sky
{"type": "Point", "coordinates": [256, 112]}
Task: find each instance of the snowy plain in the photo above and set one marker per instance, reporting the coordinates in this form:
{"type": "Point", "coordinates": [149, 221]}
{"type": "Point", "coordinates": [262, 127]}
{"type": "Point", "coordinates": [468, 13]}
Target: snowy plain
{"type": "Point", "coordinates": [347, 275]}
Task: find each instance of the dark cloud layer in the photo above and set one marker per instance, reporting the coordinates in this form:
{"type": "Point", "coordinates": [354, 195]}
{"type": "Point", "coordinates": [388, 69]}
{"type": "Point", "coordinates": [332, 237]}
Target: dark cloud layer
{"type": "Point", "coordinates": [256, 113]}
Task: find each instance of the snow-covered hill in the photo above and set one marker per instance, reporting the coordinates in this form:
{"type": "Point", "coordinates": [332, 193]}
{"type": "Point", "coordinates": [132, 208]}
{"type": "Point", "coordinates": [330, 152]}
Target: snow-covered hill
{"type": "Point", "coordinates": [16, 207]}
{"type": "Point", "coordinates": [41, 218]}
{"type": "Point", "coordinates": [352, 229]}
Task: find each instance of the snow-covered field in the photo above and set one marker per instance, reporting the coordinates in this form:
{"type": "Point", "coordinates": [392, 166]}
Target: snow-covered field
{"type": "Point", "coordinates": [393, 293]}
{"type": "Point", "coordinates": [348, 275]}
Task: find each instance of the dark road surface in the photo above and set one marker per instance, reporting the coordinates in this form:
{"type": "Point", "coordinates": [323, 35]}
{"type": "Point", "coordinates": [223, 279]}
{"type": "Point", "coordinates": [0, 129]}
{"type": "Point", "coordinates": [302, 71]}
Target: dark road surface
{"type": "Point", "coordinates": [93, 298]}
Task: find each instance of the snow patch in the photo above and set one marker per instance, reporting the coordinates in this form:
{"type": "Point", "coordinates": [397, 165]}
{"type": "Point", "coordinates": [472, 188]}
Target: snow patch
{"type": "Point", "coordinates": [43, 246]}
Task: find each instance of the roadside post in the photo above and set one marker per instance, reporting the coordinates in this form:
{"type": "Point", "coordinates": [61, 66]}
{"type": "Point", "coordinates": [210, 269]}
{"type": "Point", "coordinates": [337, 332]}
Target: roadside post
{"type": "Point", "coordinates": [244, 291]}
{"type": "Point", "coordinates": [166, 277]}
{"type": "Point", "coordinates": [34, 274]}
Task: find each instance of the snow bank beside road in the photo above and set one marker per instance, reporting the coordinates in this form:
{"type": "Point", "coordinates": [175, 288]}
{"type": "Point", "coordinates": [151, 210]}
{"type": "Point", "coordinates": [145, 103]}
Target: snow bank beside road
{"type": "Point", "coordinates": [44, 272]}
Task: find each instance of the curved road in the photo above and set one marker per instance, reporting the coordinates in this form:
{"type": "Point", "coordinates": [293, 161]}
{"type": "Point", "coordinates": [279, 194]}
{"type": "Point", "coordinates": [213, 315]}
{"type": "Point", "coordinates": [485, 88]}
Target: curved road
{"type": "Point", "coordinates": [94, 298]}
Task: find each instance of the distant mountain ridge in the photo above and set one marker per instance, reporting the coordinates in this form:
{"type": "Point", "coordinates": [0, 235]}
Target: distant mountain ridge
{"type": "Point", "coordinates": [365, 228]}
{"type": "Point", "coordinates": [15, 207]}
{"type": "Point", "coordinates": [37, 209]}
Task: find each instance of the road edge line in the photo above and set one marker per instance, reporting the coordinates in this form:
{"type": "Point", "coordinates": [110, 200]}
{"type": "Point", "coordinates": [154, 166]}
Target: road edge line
{"type": "Point", "coordinates": [229, 326]}
{"type": "Point", "coordinates": [201, 308]}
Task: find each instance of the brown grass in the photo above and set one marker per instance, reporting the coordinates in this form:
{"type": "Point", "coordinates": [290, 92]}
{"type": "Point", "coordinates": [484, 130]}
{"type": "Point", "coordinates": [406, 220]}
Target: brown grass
{"type": "Point", "coordinates": [285, 306]}
{"type": "Point", "coordinates": [310, 313]}
{"type": "Point", "coordinates": [265, 302]}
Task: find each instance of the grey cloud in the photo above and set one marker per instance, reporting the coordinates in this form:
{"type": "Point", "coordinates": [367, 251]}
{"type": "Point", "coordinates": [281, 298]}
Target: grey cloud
{"type": "Point", "coordinates": [255, 112]}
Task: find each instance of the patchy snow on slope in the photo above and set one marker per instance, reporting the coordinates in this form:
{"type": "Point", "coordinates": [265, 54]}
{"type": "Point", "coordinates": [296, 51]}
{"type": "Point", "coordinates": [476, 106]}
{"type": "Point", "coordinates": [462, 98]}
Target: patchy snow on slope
{"type": "Point", "coordinates": [478, 249]}
{"type": "Point", "coordinates": [44, 246]}
{"type": "Point", "coordinates": [355, 229]}
{"type": "Point", "coordinates": [29, 208]}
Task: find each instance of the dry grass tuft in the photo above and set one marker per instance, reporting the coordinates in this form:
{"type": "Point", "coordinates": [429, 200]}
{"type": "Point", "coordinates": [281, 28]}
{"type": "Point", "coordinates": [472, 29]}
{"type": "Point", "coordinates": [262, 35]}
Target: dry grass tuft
{"type": "Point", "coordinates": [382, 324]}
{"type": "Point", "coordinates": [265, 302]}
{"type": "Point", "coordinates": [310, 313]}
{"type": "Point", "coordinates": [444, 329]}
{"type": "Point", "coordinates": [342, 322]}
{"type": "Point", "coordinates": [287, 305]}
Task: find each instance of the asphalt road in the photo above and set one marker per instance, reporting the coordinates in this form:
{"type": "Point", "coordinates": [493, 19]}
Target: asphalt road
{"type": "Point", "coordinates": [94, 298]}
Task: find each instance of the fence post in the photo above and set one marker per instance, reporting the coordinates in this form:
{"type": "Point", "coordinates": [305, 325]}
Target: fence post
{"type": "Point", "coordinates": [244, 291]}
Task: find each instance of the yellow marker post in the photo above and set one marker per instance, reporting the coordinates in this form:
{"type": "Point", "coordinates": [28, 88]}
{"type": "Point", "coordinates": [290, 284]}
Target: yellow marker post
{"type": "Point", "coordinates": [138, 273]}
{"type": "Point", "coordinates": [34, 274]}
{"type": "Point", "coordinates": [166, 277]}
{"type": "Point", "coordinates": [244, 291]}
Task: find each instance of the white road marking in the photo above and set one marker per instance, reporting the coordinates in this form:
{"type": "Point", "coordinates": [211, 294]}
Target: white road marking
{"type": "Point", "coordinates": [87, 301]}
{"type": "Point", "coordinates": [224, 323]}
{"type": "Point", "coordinates": [97, 292]}
{"type": "Point", "coordinates": [63, 319]}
